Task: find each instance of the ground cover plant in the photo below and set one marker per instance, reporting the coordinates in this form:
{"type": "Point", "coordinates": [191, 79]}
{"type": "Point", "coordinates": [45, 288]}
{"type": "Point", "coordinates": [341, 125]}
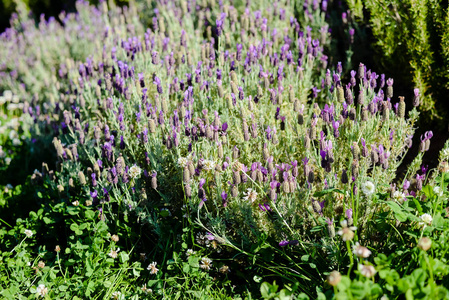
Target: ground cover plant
{"type": "Point", "coordinates": [211, 150]}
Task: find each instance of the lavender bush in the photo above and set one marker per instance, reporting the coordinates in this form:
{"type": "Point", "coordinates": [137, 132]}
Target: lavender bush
{"type": "Point", "coordinates": [221, 131]}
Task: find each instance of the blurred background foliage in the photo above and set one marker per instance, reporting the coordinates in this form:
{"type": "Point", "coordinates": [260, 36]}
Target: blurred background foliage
{"type": "Point", "coordinates": [38, 7]}
{"type": "Point", "coordinates": [410, 40]}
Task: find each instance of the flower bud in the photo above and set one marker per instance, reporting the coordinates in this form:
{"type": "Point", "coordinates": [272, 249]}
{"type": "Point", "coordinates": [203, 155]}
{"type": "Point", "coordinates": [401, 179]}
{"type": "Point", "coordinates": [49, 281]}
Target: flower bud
{"type": "Point", "coordinates": [344, 177]}
{"type": "Point", "coordinates": [97, 170]}
{"type": "Point", "coordinates": [361, 71]}
{"type": "Point", "coordinates": [235, 153]}
{"type": "Point", "coordinates": [352, 114]}
{"type": "Point", "coordinates": [416, 98]}
{"type": "Point", "coordinates": [291, 94]}
{"type": "Point", "coordinates": [422, 146]}
{"type": "Point", "coordinates": [186, 174]}
{"type": "Point", "coordinates": [82, 178]}
{"type": "Point", "coordinates": [300, 118]}
{"type": "Point", "coordinates": [275, 139]}
{"type": "Point", "coordinates": [365, 115]}
{"type": "Point", "coordinates": [340, 94]}
{"type": "Point", "coordinates": [236, 178]}
{"type": "Point", "coordinates": [355, 168]}
{"type": "Point", "coordinates": [310, 176]}
{"type": "Point", "coordinates": [355, 151]}
{"type": "Point", "coordinates": [265, 152]}
{"type": "Point", "coordinates": [188, 191]}
{"type": "Point", "coordinates": [307, 142]}
{"type": "Point", "coordinates": [234, 191]}
{"type": "Point", "coordinates": [154, 180]}
{"type": "Point", "coordinates": [312, 132]}
{"type": "Point", "coordinates": [401, 108]}
{"type": "Point", "coordinates": [191, 168]}
{"type": "Point", "coordinates": [385, 112]}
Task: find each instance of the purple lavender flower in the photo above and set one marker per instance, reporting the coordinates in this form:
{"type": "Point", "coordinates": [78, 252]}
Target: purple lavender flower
{"type": "Point", "coordinates": [224, 197]}
{"type": "Point", "coordinates": [283, 243]}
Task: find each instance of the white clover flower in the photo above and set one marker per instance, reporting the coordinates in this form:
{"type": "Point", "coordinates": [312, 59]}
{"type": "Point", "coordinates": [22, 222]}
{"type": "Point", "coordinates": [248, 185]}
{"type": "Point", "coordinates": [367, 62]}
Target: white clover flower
{"type": "Point", "coordinates": [399, 196]}
{"type": "Point", "coordinates": [206, 263]}
{"type": "Point", "coordinates": [367, 270]}
{"type": "Point", "coordinates": [134, 172]}
{"type": "Point", "coordinates": [16, 142]}
{"type": "Point", "coordinates": [190, 252]}
{"type": "Point", "coordinates": [368, 188]}
{"type": "Point", "coordinates": [347, 233]}
{"type": "Point", "coordinates": [438, 191]}
{"type": "Point", "coordinates": [426, 219]}
{"type": "Point", "coordinates": [41, 290]}
{"type": "Point", "coordinates": [152, 268]}
{"type": "Point", "coordinates": [146, 290]}
{"type": "Point", "coordinates": [361, 251]}
{"type": "Point", "coordinates": [182, 162]}
{"type": "Point", "coordinates": [13, 134]}
{"type": "Point", "coordinates": [28, 233]}
{"type": "Point", "coordinates": [116, 295]}
{"type": "Point", "coordinates": [208, 165]}
{"type": "Point", "coordinates": [250, 195]}
{"type": "Point", "coordinates": [114, 253]}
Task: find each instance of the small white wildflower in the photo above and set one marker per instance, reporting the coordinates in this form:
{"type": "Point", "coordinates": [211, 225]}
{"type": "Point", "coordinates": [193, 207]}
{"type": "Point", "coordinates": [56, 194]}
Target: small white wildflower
{"type": "Point", "coordinates": [208, 165]}
{"type": "Point", "coordinates": [438, 191]}
{"type": "Point", "coordinates": [8, 160]}
{"type": "Point", "coordinates": [146, 290]}
{"type": "Point", "coordinates": [114, 253]}
{"type": "Point", "coordinates": [250, 195]}
{"type": "Point", "coordinates": [2, 153]}
{"type": "Point", "coordinates": [368, 188]}
{"type": "Point", "coordinates": [334, 278]}
{"type": "Point", "coordinates": [206, 263]}
{"type": "Point", "coordinates": [75, 203]}
{"type": "Point", "coordinates": [16, 142]}
{"type": "Point", "coordinates": [367, 270]}
{"type": "Point", "coordinates": [134, 172]}
{"type": "Point", "coordinates": [361, 251]}
{"type": "Point", "coordinates": [8, 95]}
{"type": "Point", "coordinates": [116, 295]}
{"type": "Point", "coordinates": [426, 219]}
{"type": "Point", "coordinates": [424, 243]}
{"type": "Point", "coordinates": [182, 162]}
{"type": "Point", "coordinates": [13, 134]}
{"type": "Point", "coordinates": [28, 233]}
{"type": "Point", "coordinates": [190, 252]}
{"type": "Point", "coordinates": [399, 196]}
{"type": "Point", "coordinates": [347, 233]}
{"type": "Point", "coordinates": [41, 290]}
{"type": "Point", "coordinates": [152, 268]}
